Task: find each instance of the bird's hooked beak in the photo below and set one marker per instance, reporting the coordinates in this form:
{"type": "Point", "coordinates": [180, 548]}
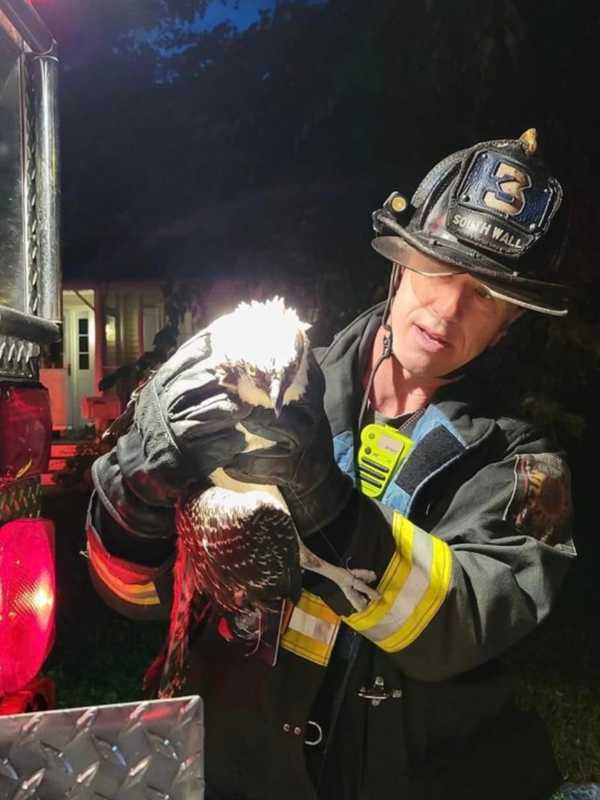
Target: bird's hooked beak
{"type": "Point", "coordinates": [276, 396]}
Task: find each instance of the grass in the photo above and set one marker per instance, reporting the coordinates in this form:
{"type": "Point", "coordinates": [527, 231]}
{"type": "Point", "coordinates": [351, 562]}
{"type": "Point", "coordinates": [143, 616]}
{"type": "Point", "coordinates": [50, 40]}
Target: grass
{"type": "Point", "coordinates": [111, 671]}
{"type": "Point", "coordinates": [573, 717]}
{"type": "Point", "coordinates": [559, 676]}
{"type": "Point", "coordinates": [100, 657]}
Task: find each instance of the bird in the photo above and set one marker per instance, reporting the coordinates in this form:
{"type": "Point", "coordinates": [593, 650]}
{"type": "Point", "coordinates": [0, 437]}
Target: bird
{"type": "Point", "coordinates": [238, 554]}
{"type": "Point", "coordinates": [238, 549]}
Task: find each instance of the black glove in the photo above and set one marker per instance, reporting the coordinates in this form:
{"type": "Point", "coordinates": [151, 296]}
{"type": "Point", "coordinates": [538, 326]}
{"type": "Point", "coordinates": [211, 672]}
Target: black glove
{"type": "Point", "coordinates": [301, 461]}
{"type": "Point", "coordinates": [183, 427]}
{"type": "Point", "coordinates": [313, 486]}
{"type": "Point", "coordinates": [136, 516]}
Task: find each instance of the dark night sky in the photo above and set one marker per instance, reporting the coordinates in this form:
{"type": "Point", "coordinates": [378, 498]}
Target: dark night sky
{"type": "Point", "coordinates": [166, 119]}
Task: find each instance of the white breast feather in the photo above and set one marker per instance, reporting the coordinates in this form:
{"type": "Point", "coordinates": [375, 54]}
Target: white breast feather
{"type": "Point", "coordinates": [262, 491]}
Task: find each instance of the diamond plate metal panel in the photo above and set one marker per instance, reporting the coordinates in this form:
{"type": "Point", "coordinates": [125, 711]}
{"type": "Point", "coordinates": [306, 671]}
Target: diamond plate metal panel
{"type": "Point", "coordinates": [21, 499]}
{"type": "Point", "coordinates": [132, 751]}
{"type": "Point", "coordinates": [19, 358]}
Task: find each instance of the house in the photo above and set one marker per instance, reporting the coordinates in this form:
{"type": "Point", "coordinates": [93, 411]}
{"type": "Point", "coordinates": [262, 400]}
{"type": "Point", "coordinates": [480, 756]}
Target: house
{"type": "Point", "coordinates": [104, 327]}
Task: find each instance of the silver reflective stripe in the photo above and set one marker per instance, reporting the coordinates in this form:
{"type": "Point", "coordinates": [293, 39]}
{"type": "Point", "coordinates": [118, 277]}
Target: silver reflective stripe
{"type": "Point", "coordinates": [413, 591]}
{"type": "Point", "coordinates": [312, 630]}
{"type": "Point", "coordinates": [312, 626]}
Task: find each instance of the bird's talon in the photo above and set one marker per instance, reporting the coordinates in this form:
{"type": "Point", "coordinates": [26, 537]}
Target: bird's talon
{"type": "Point", "coordinates": [357, 601]}
{"type": "Point", "coordinates": [365, 590]}
{"type": "Point", "coordinates": [366, 575]}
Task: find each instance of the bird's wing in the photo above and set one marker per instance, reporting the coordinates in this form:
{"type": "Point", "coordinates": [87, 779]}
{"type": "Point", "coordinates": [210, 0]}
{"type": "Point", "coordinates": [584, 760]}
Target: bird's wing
{"type": "Point", "coordinates": [185, 590]}
{"type": "Point", "coordinates": [244, 547]}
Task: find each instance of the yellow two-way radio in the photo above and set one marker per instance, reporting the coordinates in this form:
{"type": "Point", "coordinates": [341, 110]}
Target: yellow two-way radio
{"type": "Point", "coordinates": [382, 449]}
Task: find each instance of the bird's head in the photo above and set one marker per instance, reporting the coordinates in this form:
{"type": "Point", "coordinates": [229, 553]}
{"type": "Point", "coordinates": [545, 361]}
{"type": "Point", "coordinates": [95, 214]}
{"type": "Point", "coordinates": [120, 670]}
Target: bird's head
{"type": "Point", "coordinates": [263, 351]}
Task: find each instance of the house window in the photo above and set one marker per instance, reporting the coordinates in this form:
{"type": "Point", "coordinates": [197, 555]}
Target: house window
{"type": "Point", "coordinates": [84, 343]}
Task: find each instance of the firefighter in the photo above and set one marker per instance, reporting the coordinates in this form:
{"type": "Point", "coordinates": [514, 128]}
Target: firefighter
{"type": "Point", "coordinates": [461, 508]}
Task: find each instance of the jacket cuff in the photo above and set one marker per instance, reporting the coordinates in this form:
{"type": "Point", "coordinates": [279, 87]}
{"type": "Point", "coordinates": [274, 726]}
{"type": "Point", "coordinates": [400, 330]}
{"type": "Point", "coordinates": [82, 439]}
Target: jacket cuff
{"type": "Point", "coordinates": [135, 590]}
{"type": "Point", "coordinates": [412, 589]}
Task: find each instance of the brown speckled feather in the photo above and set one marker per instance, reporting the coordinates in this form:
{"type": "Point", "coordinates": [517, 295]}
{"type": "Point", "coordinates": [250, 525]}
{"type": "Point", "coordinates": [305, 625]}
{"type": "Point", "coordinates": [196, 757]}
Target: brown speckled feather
{"type": "Point", "coordinates": [238, 551]}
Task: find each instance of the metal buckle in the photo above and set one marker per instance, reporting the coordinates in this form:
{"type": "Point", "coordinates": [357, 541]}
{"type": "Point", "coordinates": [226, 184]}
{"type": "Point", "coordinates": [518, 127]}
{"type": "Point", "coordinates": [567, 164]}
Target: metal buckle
{"type": "Point", "coordinates": [377, 693]}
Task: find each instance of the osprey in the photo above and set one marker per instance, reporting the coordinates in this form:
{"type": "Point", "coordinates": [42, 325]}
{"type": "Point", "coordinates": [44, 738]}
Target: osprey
{"type": "Point", "coordinates": [237, 546]}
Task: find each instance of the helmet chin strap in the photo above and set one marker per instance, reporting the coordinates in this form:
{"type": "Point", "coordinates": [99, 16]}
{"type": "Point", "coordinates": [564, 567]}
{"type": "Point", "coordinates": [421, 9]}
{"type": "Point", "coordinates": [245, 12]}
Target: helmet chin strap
{"type": "Point", "coordinates": [387, 343]}
{"type": "Point", "coordinates": [455, 375]}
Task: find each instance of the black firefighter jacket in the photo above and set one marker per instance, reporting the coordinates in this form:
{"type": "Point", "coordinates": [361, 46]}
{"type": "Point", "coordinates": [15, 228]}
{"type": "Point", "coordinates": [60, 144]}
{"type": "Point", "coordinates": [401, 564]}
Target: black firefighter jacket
{"type": "Point", "coordinates": [405, 699]}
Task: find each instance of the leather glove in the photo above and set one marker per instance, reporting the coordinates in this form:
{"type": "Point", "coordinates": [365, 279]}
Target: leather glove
{"type": "Point", "coordinates": [137, 517]}
{"type": "Point", "coordinates": [183, 427]}
{"type": "Point", "coordinates": [313, 486]}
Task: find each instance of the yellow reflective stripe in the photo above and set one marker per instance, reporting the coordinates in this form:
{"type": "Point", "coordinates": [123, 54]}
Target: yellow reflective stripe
{"type": "Point", "coordinates": [393, 579]}
{"type": "Point", "coordinates": [305, 647]}
{"type": "Point", "coordinates": [142, 594]}
{"type": "Point", "coordinates": [314, 605]}
{"type": "Point", "coordinates": [312, 630]}
{"type": "Point", "coordinates": [412, 589]}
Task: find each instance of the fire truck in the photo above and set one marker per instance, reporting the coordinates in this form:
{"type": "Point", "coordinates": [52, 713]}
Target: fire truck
{"type": "Point", "coordinates": [30, 313]}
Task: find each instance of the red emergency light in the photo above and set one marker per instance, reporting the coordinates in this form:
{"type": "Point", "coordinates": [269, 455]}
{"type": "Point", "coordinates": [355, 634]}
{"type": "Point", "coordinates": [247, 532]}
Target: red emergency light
{"type": "Point", "coordinates": [25, 432]}
{"type": "Point", "coordinates": [27, 600]}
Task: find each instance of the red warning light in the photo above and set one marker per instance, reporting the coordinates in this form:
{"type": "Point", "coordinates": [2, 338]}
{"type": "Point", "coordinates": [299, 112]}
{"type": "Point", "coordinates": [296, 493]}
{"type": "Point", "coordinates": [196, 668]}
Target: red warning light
{"type": "Point", "coordinates": [27, 600]}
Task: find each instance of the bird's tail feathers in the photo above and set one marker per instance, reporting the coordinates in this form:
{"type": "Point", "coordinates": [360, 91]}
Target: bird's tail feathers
{"type": "Point", "coordinates": [152, 676]}
{"type": "Point", "coordinates": [176, 659]}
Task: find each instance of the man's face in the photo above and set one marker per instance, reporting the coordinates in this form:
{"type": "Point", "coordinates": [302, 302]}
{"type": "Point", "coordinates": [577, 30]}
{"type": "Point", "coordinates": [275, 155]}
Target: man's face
{"type": "Point", "coordinates": [441, 322]}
